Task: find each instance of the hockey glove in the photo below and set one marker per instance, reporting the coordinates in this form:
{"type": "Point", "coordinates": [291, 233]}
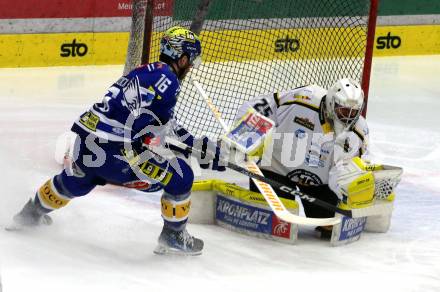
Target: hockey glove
{"type": "Point", "coordinates": [211, 155]}
{"type": "Point", "coordinates": [353, 183]}
{"type": "Point", "coordinates": [210, 151]}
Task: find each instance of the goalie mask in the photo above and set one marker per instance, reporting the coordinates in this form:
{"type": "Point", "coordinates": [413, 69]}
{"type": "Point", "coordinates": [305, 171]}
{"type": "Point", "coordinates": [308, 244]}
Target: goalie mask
{"type": "Point", "coordinates": [178, 41]}
{"type": "Point", "coordinates": [344, 103]}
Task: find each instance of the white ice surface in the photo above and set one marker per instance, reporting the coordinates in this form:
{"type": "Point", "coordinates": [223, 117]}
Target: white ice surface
{"type": "Point", "coordinates": [104, 241]}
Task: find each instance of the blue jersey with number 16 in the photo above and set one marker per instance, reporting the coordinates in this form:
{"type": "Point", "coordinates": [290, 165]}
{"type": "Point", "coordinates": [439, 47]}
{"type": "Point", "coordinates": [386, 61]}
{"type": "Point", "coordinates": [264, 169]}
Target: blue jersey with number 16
{"type": "Point", "coordinates": [145, 97]}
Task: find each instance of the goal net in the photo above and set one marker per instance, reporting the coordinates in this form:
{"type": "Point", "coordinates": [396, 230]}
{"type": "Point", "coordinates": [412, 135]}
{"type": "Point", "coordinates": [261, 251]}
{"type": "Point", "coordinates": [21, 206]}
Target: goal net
{"type": "Point", "coordinates": [253, 47]}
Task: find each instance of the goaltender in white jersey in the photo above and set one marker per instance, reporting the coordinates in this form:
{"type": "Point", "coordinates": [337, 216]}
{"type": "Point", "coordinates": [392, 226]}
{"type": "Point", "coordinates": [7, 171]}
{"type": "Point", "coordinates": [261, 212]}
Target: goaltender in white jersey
{"type": "Point", "coordinates": [316, 130]}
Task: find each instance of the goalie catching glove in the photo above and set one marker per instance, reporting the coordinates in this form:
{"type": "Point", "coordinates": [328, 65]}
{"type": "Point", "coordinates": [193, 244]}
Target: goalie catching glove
{"type": "Point", "coordinates": [354, 185]}
{"type": "Point", "coordinates": [357, 183]}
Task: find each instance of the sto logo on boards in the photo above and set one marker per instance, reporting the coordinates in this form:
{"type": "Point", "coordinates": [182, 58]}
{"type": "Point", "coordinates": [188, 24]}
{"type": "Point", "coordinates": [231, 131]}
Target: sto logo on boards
{"type": "Point", "coordinates": [286, 45]}
{"type": "Point", "coordinates": [73, 49]}
{"type": "Point", "coordinates": [388, 42]}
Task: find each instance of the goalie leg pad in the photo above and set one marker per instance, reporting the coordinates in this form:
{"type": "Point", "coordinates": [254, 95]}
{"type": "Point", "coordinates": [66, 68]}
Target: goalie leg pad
{"type": "Point", "coordinates": [349, 230]}
{"type": "Point", "coordinates": [240, 210]}
{"type": "Point", "coordinates": [379, 224]}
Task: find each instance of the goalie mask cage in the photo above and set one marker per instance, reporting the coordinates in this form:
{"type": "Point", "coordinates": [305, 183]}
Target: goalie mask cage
{"type": "Point", "coordinates": [253, 47]}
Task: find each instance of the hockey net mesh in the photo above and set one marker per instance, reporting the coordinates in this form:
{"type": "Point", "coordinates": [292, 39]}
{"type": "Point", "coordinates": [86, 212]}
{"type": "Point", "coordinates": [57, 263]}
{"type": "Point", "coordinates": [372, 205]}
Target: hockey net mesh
{"type": "Point", "coordinates": [253, 47]}
{"type": "Point", "coordinates": [386, 181]}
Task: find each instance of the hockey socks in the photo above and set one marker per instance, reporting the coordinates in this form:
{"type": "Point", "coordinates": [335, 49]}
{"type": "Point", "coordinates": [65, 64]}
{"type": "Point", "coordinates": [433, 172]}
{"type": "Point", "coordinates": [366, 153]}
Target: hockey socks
{"type": "Point", "coordinates": [175, 210]}
{"type": "Point", "coordinates": [50, 198]}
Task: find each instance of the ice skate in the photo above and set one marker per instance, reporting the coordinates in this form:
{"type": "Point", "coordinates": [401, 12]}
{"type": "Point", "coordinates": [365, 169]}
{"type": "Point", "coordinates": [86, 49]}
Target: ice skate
{"type": "Point", "coordinates": [172, 242]}
{"type": "Point", "coordinates": [30, 216]}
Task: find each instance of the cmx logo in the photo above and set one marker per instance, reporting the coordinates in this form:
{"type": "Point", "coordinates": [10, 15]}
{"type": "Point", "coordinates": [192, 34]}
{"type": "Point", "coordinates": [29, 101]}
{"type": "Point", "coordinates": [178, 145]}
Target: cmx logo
{"type": "Point", "coordinates": [388, 42]}
{"type": "Point", "coordinates": [73, 49]}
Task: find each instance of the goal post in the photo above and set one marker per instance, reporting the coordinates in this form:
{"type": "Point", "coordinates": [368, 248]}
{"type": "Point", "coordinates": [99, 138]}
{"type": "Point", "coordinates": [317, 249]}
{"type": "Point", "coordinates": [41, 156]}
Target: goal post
{"type": "Point", "coordinates": [368, 60]}
{"type": "Point", "coordinates": [139, 44]}
{"type": "Point", "coordinates": [253, 47]}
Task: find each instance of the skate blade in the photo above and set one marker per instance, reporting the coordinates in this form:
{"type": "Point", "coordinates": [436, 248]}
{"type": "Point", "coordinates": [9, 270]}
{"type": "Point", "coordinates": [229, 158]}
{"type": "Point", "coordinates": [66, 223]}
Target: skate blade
{"type": "Point", "coordinates": [165, 250]}
{"type": "Point", "coordinates": [14, 227]}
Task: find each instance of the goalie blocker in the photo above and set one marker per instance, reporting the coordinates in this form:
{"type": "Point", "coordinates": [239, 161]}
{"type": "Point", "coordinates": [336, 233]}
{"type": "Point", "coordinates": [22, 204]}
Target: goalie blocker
{"type": "Point", "coordinates": [251, 133]}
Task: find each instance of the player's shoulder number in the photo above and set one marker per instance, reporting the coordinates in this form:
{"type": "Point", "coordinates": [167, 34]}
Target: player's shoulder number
{"type": "Point", "coordinates": [163, 83]}
{"type": "Point", "coordinates": [263, 107]}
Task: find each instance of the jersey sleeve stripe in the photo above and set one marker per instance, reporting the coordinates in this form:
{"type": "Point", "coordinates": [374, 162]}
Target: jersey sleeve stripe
{"type": "Point", "coordinates": [321, 110]}
{"type": "Point", "coordinates": [307, 105]}
{"type": "Point", "coordinates": [276, 97]}
{"type": "Point", "coordinates": [359, 134]}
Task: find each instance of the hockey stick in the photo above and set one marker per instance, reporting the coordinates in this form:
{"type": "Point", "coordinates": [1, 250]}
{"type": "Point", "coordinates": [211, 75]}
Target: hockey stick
{"type": "Point", "coordinates": [266, 189]}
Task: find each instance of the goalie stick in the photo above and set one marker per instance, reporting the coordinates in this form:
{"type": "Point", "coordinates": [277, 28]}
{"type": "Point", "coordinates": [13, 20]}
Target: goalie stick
{"type": "Point", "coordinates": [354, 213]}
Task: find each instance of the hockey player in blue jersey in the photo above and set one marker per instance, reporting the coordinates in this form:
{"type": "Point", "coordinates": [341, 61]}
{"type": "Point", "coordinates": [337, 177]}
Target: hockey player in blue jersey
{"type": "Point", "coordinates": [110, 145]}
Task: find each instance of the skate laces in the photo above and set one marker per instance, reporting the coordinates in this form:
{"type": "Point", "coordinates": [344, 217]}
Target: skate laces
{"type": "Point", "coordinates": [186, 238]}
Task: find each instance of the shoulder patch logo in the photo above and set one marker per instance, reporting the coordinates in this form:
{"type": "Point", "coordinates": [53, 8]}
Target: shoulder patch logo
{"type": "Point", "coordinates": [89, 120]}
{"type": "Point", "coordinates": [305, 122]}
{"type": "Point", "coordinates": [302, 97]}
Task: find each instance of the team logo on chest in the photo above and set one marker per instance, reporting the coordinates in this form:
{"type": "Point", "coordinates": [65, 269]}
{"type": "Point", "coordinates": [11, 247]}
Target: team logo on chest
{"type": "Point", "coordinates": [304, 177]}
{"type": "Point", "coordinates": [300, 134]}
{"type": "Point", "coordinates": [136, 97]}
